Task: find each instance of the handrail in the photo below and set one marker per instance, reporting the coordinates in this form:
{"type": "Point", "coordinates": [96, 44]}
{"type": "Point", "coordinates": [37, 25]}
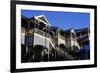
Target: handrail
{"type": "Point", "coordinates": [82, 36]}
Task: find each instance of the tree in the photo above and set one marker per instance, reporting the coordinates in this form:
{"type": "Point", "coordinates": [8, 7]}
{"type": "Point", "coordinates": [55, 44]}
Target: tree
{"type": "Point", "coordinates": [36, 53]}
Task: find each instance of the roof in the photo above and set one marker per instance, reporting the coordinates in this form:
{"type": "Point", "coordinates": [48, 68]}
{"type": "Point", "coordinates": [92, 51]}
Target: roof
{"type": "Point", "coordinates": [70, 30]}
{"type": "Point", "coordinates": [83, 29]}
{"type": "Point", "coordinates": [23, 17]}
{"type": "Point", "coordinates": [43, 19]}
{"type": "Point", "coordinates": [55, 27]}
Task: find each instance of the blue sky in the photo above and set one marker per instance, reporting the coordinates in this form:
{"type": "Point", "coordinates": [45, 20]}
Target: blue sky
{"type": "Point", "coordinates": [64, 20]}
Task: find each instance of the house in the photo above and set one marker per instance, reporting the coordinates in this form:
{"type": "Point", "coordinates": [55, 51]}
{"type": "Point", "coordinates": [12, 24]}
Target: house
{"type": "Point", "coordinates": [56, 41]}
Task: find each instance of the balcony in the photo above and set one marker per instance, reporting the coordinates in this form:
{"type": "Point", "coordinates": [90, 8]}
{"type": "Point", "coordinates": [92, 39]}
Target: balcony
{"type": "Point", "coordinates": [41, 32]}
{"type": "Point", "coordinates": [61, 37]}
{"type": "Point", "coordinates": [82, 36]}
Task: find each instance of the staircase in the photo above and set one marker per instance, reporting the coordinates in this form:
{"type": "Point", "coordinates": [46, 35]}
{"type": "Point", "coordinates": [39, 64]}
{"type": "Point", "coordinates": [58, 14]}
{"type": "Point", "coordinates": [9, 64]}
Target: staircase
{"type": "Point", "coordinates": [62, 52]}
